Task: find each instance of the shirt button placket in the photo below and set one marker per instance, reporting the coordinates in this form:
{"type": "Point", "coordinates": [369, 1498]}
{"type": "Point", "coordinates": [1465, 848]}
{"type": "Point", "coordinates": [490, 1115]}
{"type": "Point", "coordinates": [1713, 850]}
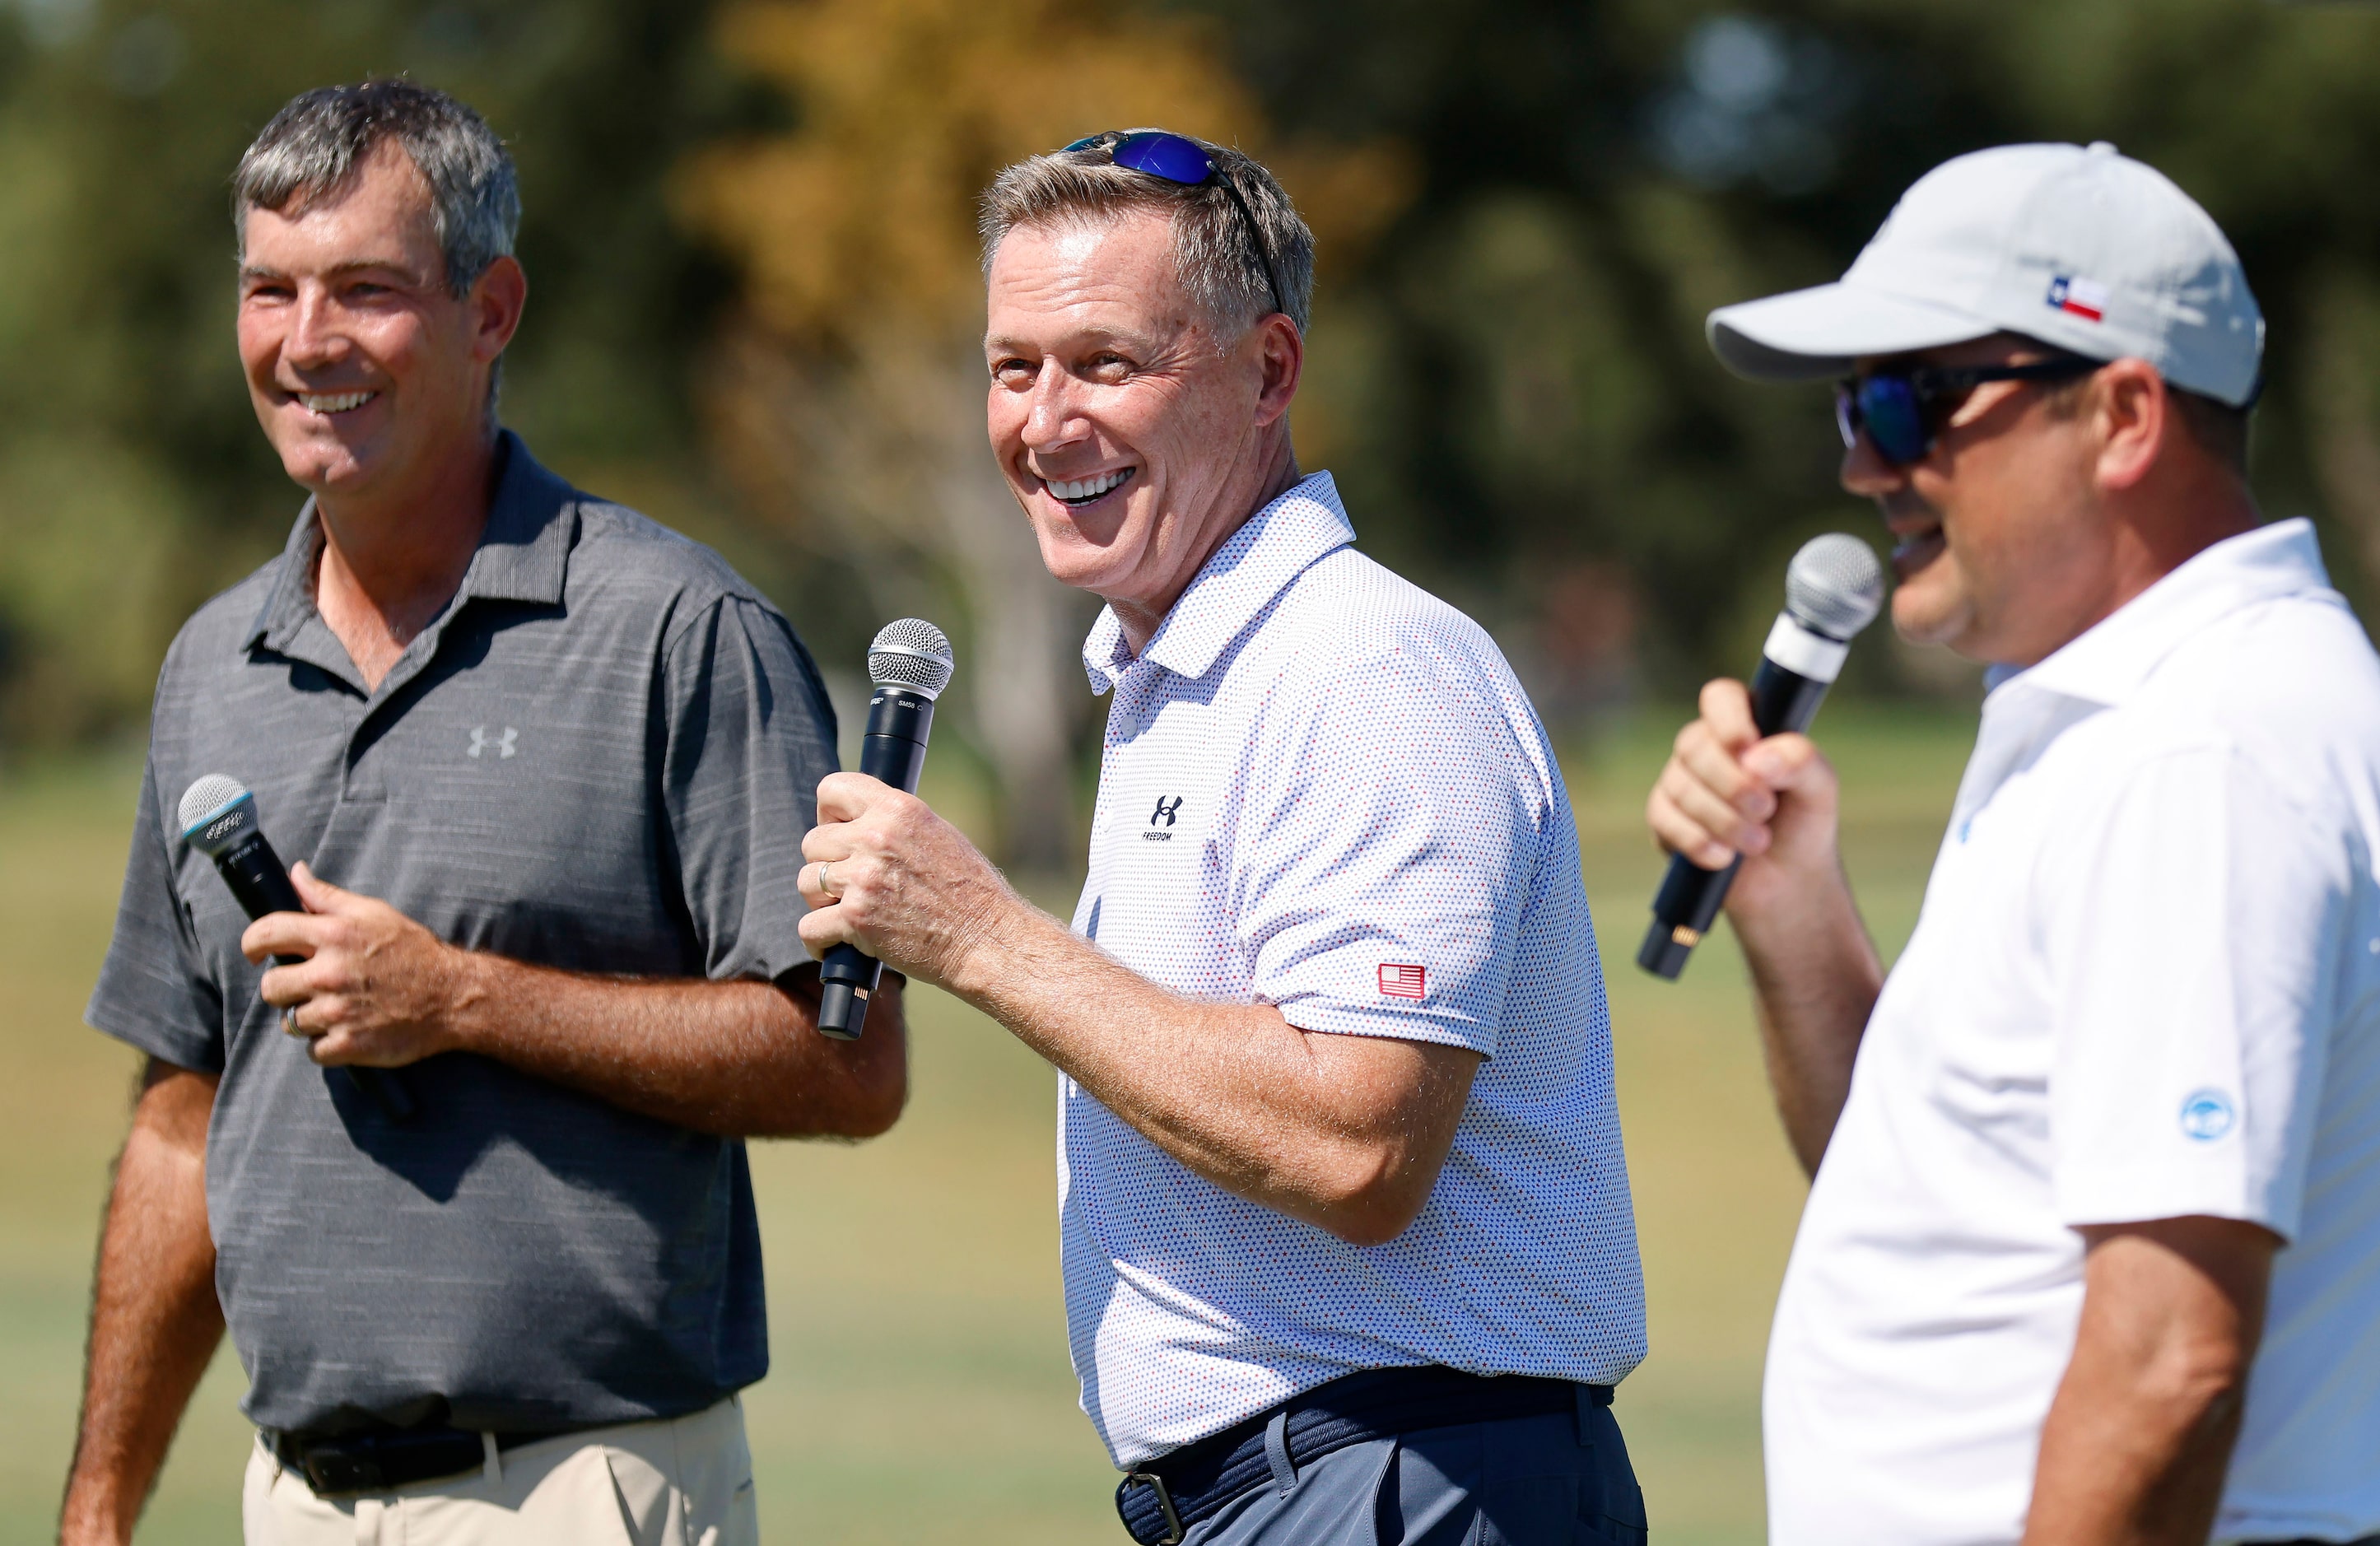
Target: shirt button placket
{"type": "Point", "coordinates": [1135, 691]}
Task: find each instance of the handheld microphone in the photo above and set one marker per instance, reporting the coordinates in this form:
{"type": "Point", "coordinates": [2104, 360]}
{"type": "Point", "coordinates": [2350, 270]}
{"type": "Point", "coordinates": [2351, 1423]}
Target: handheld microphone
{"type": "Point", "coordinates": [1833, 589]}
{"type": "Point", "coordinates": [910, 664]}
{"type": "Point", "coordinates": [219, 820]}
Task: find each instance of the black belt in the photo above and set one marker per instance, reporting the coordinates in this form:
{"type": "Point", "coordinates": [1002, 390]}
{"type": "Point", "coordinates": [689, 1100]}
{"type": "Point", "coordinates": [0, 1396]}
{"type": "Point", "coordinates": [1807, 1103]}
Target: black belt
{"type": "Point", "coordinates": [383, 1460]}
{"type": "Point", "coordinates": [1160, 1501]}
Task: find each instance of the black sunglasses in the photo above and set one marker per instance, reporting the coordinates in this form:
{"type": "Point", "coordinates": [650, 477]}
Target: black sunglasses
{"type": "Point", "coordinates": [1183, 161]}
{"type": "Point", "coordinates": [1901, 411]}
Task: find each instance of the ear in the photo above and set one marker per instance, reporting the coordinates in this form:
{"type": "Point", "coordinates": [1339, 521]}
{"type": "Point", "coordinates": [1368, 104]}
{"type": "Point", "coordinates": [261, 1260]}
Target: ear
{"type": "Point", "coordinates": [496, 301]}
{"type": "Point", "coordinates": [1280, 354]}
{"type": "Point", "coordinates": [2133, 410]}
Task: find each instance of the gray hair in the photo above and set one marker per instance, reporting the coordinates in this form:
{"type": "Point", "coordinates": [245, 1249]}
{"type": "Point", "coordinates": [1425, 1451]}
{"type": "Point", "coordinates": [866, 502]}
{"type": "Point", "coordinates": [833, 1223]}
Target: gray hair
{"type": "Point", "coordinates": [1224, 275]}
{"type": "Point", "coordinates": [317, 145]}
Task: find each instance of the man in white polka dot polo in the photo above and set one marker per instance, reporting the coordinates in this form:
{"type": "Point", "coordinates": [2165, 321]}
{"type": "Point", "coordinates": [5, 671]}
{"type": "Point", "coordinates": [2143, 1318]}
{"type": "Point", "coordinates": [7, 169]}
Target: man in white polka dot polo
{"type": "Point", "coordinates": [1345, 1222]}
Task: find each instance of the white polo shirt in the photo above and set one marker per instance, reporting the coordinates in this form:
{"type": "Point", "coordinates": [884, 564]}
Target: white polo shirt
{"type": "Point", "coordinates": [2145, 984]}
{"type": "Point", "coordinates": [1323, 790]}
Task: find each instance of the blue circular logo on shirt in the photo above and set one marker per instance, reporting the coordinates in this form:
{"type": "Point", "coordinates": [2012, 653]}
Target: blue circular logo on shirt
{"type": "Point", "coordinates": [2206, 1115]}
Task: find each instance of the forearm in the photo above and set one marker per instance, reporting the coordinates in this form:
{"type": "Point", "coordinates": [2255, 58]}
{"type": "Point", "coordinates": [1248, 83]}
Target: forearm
{"type": "Point", "coordinates": [2139, 1436]}
{"type": "Point", "coordinates": [2142, 1425]}
{"type": "Point", "coordinates": [2121, 1466]}
{"type": "Point", "coordinates": [1232, 1091]}
{"type": "Point", "coordinates": [1816, 976]}
{"type": "Point", "coordinates": [155, 1321]}
{"type": "Point", "coordinates": [739, 1059]}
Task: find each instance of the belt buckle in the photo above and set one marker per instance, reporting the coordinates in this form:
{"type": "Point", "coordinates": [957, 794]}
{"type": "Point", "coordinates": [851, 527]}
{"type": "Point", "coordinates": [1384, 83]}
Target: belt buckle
{"type": "Point", "coordinates": [1173, 1531]}
{"type": "Point", "coordinates": [332, 1471]}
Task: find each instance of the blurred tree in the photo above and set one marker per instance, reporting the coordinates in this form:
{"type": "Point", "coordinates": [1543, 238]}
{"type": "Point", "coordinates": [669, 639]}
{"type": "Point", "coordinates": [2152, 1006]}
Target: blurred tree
{"type": "Point", "coordinates": [1508, 372]}
{"type": "Point", "coordinates": [1535, 401]}
{"type": "Point", "coordinates": [848, 393]}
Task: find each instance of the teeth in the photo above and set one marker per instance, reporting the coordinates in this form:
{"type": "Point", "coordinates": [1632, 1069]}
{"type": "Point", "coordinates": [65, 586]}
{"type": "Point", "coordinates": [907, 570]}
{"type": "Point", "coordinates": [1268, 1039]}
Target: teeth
{"type": "Point", "coordinates": [335, 402]}
{"type": "Point", "coordinates": [1087, 488]}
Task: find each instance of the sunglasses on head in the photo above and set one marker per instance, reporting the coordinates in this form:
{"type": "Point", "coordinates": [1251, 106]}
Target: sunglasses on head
{"type": "Point", "coordinates": [1902, 409]}
{"type": "Point", "coordinates": [1179, 159]}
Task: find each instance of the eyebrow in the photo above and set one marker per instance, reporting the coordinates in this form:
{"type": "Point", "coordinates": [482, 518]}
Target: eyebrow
{"type": "Point", "coordinates": [1092, 338]}
{"type": "Point", "coordinates": [360, 265]}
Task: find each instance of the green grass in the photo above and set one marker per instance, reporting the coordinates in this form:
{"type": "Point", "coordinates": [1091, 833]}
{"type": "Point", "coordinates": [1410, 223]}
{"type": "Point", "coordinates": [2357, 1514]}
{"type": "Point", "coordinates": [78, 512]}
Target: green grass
{"type": "Point", "coordinates": [921, 1389]}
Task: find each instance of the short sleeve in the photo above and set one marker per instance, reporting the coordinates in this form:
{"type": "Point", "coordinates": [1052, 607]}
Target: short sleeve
{"type": "Point", "coordinates": [750, 733]}
{"type": "Point", "coordinates": [153, 991]}
{"type": "Point", "coordinates": [1385, 848]}
{"type": "Point", "coordinates": [2195, 941]}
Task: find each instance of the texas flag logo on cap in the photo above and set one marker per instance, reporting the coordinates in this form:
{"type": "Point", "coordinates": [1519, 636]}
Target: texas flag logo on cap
{"type": "Point", "coordinates": [2082, 297]}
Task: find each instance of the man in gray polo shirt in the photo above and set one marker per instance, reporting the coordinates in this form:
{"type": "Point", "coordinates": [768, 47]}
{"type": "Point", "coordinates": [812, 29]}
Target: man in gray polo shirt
{"type": "Point", "coordinates": [558, 762]}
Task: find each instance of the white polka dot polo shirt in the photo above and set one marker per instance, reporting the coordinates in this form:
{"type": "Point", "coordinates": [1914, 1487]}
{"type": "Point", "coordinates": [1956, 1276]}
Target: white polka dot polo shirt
{"type": "Point", "coordinates": [1322, 789]}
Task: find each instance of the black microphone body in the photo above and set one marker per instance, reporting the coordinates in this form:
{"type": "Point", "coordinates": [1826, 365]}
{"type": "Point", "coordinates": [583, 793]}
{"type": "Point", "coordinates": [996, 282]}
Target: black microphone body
{"type": "Point", "coordinates": [261, 883]}
{"type": "Point", "coordinates": [1688, 902]}
{"type": "Point", "coordinates": [899, 720]}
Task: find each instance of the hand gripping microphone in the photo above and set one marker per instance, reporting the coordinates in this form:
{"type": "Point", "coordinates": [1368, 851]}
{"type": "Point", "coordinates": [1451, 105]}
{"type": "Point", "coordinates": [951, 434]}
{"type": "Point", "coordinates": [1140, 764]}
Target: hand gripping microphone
{"type": "Point", "coordinates": [1833, 589]}
{"type": "Point", "coordinates": [219, 820]}
{"type": "Point", "coordinates": [910, 664]}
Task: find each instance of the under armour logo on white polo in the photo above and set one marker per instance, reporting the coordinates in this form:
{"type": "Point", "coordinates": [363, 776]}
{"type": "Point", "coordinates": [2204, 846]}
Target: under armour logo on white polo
{"type": "Point", "coordinates": [503, 744]}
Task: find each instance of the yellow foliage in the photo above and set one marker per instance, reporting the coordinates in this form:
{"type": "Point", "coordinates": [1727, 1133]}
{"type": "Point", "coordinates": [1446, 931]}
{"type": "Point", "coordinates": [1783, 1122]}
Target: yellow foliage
{"type": "Point", "coordinates": [866, 210]}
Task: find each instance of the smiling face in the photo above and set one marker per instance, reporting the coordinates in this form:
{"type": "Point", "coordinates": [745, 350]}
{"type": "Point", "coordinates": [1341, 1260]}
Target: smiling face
{"type": "Point", "coordinates": [366, 373]}
{"type": "Point", "coordinates": [2003, 551]}
{"type": "Point", "coordinates": [1134, 437]}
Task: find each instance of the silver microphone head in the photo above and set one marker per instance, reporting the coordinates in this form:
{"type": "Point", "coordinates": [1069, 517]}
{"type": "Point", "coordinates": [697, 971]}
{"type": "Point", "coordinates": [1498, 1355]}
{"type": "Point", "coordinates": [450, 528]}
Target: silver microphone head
{"type": "Point", "coordinates": [911, 653]}
{"type": "Point", "coordinates": [1835, 585]}
{"type": "Point", "coordinates": [216, 812]}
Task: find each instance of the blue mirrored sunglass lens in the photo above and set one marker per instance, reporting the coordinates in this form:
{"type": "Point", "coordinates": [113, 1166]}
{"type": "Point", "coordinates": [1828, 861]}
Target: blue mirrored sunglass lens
{"type": "Point", "coordinates": [1165, 155]}
{"type": "Point", "coordinates": [1888, 411]}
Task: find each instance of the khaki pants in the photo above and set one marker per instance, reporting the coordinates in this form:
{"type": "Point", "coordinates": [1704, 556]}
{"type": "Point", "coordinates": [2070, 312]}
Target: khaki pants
{"type": "Point", "coordinates": [686, 1481]}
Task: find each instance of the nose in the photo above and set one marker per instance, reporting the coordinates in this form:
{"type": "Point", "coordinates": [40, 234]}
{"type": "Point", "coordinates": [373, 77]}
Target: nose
{"type": "Point", "coordinates": [1866, 473]}
{"type": "Point", "coordinates": [315, 337]}
{"type": "Point", "coordinates": [1051, 422]}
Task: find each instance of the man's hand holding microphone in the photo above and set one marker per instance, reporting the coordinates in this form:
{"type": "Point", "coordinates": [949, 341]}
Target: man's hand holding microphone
{"type": "Point", "coordinates": [892, 878]}
{"type": "Point", "coordinates": [1729, 791]}
{"type": "Point", "coordinates": [885, 877]}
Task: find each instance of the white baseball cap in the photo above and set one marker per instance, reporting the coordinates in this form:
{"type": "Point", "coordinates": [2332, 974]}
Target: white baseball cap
{"type": "Point", "coordinates": [2081, 247]}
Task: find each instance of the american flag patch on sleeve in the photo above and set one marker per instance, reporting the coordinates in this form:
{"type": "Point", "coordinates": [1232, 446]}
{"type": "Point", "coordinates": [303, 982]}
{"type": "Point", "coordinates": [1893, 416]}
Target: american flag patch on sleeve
{"type": "Point", "coordinates": [1398, 980]}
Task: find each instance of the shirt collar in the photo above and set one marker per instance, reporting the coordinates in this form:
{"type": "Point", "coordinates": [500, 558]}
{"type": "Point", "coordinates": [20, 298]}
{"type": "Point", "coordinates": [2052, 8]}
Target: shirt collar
{"type": "Point", "coordinates": [2109, 661]}
{"type": "Point", "coordinates": [524, 553]}
{"type": "Point", "coordinates": [1272, 548]}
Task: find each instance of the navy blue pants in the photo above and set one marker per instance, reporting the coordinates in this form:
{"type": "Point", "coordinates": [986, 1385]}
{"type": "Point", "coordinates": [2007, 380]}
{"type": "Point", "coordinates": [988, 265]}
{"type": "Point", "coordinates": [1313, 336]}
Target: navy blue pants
{"type": "Point", "coordinates": [1521, 1481]}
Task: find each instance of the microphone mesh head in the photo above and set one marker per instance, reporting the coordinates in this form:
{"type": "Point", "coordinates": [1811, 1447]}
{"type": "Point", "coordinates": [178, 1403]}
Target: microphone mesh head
{"type": "Point", "coordinates": [208, 798]}
{"type": "Point", "coordinates": [1835, 585]}
{"type": "Point", "coordinates": [911, 653]}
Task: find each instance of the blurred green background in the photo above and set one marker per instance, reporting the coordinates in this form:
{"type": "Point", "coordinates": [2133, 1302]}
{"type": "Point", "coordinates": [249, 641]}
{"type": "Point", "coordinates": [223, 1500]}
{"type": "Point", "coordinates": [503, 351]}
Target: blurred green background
{"type": "Point", "coordinates": [754, 290]}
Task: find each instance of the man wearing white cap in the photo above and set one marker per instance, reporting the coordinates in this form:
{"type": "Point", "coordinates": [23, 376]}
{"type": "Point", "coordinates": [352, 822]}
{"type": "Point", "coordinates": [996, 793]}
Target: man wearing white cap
{"type": "Point", "coordinates": [2093, 1248]}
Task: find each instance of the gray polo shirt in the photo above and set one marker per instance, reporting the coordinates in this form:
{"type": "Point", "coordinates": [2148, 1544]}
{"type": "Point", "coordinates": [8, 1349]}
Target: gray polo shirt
{"type": "Point", "coordinates": [602, 757]}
